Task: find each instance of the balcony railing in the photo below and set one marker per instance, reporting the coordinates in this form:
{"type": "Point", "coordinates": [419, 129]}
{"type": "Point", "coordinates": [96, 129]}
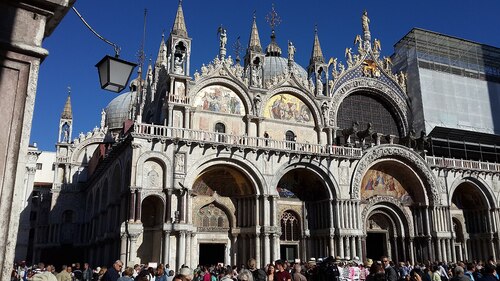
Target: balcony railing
{"type": "Point", "coordinates": [461, 164]}
{"type": "Point", "coordinates": [159, 131]}
{"type": "Point", "coordinates": [178, 99]}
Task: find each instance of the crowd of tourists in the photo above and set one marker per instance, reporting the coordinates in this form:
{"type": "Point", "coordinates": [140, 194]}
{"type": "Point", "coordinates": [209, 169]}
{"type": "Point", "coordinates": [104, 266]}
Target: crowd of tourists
{"type": "Point", "coordinates": [328, 269]}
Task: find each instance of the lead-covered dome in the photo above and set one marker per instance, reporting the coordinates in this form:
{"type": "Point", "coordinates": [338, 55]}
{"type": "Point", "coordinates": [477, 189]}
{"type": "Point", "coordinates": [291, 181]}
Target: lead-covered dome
{"type": "Point", "coordinates": [276, 66]}
{"type": "Point", "coordinates": [118, 110]}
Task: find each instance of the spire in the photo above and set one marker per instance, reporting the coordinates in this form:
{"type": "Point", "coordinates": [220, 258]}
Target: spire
{"type": "Point", "coordinates": [162, 51]}
{"type": "Point", "coordinates": [317, 54]}
{"type": "Point", "coordinates": [179, 27]}
{"type": "Point", "coordinates": [67, 112]}
{"type": "Point", "coordinates": [254, 43]}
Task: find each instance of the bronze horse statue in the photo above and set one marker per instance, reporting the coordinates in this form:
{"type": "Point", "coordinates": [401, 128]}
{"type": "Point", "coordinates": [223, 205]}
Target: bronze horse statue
{"type": "Point", "coordinates": [347, 132]}
{"type": "Point", "coordinates": [362, 135]}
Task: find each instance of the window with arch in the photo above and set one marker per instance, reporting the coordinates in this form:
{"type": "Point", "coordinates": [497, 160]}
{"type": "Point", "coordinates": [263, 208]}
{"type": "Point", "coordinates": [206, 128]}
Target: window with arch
{"type": "Point", "coordinates": [220, 128]}
{"type": "Point", "coordinates": [290, 226]}
{"type": "Point", "coordinates": [67, 216]}
{"type": "Point", "coordinates": [290, 136]}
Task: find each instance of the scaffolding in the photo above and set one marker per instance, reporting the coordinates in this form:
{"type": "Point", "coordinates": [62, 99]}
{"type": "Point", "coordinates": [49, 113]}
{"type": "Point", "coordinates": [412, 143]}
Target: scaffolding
{"type": "Point", "coordinates": [449, 54]}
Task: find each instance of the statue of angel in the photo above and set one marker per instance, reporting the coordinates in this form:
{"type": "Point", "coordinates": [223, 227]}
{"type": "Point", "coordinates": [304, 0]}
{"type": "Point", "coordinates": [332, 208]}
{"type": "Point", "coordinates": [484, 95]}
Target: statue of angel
{"type": "Point", "coordinates": [348, 55]}
{"type": "Point", "coordinates": [376, 45]}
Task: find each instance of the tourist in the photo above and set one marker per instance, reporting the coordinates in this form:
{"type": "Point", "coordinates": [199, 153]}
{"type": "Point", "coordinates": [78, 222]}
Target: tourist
{"type": "Point", "coordinates": [127, 275]}
{"type": "Point", "coordinates": [297, 273]}
{"type": "Point", "coordinates": [270, 272]}
{"type": "Point", "coordinates": [390, 272]}
{"type": "Point", "coordinates": [87, 272]}
{"type": "Point", "coordinates": [113, 273]}
{"type": "Point", "coordinates": [436, 276]}
{"type": "Point", "coordinates": [257, 273]}
{"type": "Point", "coordinates": [281, 274]}
{"type": "Point", "coordinates": [65, 274]}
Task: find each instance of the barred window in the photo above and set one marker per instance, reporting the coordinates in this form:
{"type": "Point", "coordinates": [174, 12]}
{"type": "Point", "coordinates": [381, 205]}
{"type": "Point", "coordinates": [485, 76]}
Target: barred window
{"type": "Point", "coordinates": [290, 227]}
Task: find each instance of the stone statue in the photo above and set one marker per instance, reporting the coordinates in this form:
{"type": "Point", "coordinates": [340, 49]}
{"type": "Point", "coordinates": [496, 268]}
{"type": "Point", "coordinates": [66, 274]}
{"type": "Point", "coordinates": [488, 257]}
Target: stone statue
{"type": "Point", "coordinates": [402, 79]}
{"type": "Point", "coordinates": [222, 37]}
{"type": "Point", "coordinates": [256, 81]}
{"type": "Point", "coordinates": [178, 65]}
{"type": "Point", "coordinates": [324, 111]}
{"type": "Point", "coordinates": [257, 102]}
{"type": "Point", "coordinates": [291, 51]}
{"type": "Point", "coordinates": [204, 69]}
{"type": "Point", "coordinates": [387, 63]}
{"type": "Point", "coordinates": [358, 40]}
{"type": "Point", "coordinates": [319, 85]}
{"type": "Point", "coordinates": [365, 22]}
{"type": "Point", "coordinates": [348, 55]}
{"type": "Point", "coordinates": [103, 118]}
{"type": "Point", "coordinates": [376, 46]}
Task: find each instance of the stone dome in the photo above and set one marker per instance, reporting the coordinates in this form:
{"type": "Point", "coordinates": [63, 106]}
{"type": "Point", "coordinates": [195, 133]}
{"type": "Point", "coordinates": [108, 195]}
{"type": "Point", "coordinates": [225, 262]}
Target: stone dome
{"type": "Point", "coordinates": [118, 110]}
{"type": "Point", "coordinates": [275, 66]}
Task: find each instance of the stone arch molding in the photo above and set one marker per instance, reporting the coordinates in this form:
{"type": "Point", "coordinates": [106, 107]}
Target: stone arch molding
{"type": "Point", "coordinates": [149, 155]}
{"type": "Point", "coordinates": [314, 167]}
{"type": "Point", "coordinates": [390, 150]}
{"type": "Point", "coordinates": [376, 201]}
{"type": "Point", "coordinates": [479, 183]}
{"type": "Point", "coordinates": [222, 81]}
{"type": "Point", "coordinates": [373, 86]}
{"type": "Point", "coordinates": [303, 96]}
{"type": "Point", "coordinates": [235, 161]}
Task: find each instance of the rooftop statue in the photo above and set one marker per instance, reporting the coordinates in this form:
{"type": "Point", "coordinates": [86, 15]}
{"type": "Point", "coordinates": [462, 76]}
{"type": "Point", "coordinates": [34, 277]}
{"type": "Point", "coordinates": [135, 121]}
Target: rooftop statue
{"type": "Point", "coordinates": [365, 22]}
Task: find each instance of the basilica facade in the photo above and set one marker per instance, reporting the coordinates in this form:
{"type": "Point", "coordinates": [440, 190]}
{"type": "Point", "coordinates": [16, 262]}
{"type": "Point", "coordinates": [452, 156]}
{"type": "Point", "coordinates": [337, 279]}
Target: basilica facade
{"type": "Point", "coordinates": [265, 158]}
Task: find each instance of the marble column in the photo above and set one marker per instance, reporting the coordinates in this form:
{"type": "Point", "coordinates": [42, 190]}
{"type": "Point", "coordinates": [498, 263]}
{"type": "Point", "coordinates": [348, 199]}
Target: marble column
{"type": "Point", "coordinates": [234, 249]}
{"type": "Point", "coordinates": [353, 247]}
{"type": "Point", "coordinates": [267, 249]}
{"type": "Point", "coordinates": [341, 247]}
{"type": "Point", "coordinates": [133, 248]}
{"type": "Point", "coordinates": [166, 247]}
{"type": "Point", "coordinates": [181, 254]}
{"type": "Point", "coordinates": [188, 250]}
{"type": "Point", "coordinates": [258, 250]}
{"type": "Point", "coordinates": [138, 207]}
{"type": "Point", "coordinates": [331, 245]}
{"type": "Point", "coordinates": [123, 248]}
{"type": "Point", "coordinates": [131, 216]}
{"type": "Point", "coordinates": [412, 253]}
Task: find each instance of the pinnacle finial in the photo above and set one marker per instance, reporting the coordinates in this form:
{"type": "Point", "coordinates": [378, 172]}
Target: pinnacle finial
{"type": "Point", "coordinates": [254, 43]}
{"type": "Point", "coordinates": [67, 112]}
{"type": "Point", "coordinates": [317, 53]}
{"type": "Point", "coordinates": [273, 18]}
{"type": "Point", "coordinates": [179, 27]}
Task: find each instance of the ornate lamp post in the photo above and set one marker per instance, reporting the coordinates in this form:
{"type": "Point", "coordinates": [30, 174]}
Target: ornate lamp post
{"type": "Point", "coordinates": [114, 73]}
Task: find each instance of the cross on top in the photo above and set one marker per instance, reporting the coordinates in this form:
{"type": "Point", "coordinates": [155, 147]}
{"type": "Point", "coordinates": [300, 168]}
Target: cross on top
{"type": "Point", "coordinates": [273, 18]}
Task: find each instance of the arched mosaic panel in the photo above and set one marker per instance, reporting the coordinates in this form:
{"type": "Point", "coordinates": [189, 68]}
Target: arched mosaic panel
{"type": "Point", "coordinates": [383, 183]}
{"type": "Point", "coordinates": [287, 107]}
{"type": "Point", "coordinates": [211, 218]}
{"type": "Point", "coordinates": [220, 99]}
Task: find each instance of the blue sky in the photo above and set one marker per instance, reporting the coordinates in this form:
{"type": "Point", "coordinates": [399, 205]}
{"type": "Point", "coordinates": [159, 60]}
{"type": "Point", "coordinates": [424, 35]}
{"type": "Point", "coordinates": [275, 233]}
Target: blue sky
{"type": "Point", "coordinates": [74, 50]}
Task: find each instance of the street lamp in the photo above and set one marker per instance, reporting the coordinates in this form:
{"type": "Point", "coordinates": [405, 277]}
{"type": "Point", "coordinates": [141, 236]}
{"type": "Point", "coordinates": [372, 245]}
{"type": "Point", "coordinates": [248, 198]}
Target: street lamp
{"type": "Point", "coordinates": [114, 72]}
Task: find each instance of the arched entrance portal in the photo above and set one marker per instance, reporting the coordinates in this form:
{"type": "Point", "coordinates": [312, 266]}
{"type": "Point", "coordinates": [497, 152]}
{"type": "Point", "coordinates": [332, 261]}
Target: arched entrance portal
{"type": "Point", "coordinates": [470, 205]}
{"type": "Point", "coordinates": [395, 212]}
{"type": "Point", "coordinates": [224, 203]}
{"type": "Point", "coordinates": [385, 233]}
{"type": "Point", "coordinates": [152, 221]}
{"type": "Point", "coordinates": [305, 228]}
